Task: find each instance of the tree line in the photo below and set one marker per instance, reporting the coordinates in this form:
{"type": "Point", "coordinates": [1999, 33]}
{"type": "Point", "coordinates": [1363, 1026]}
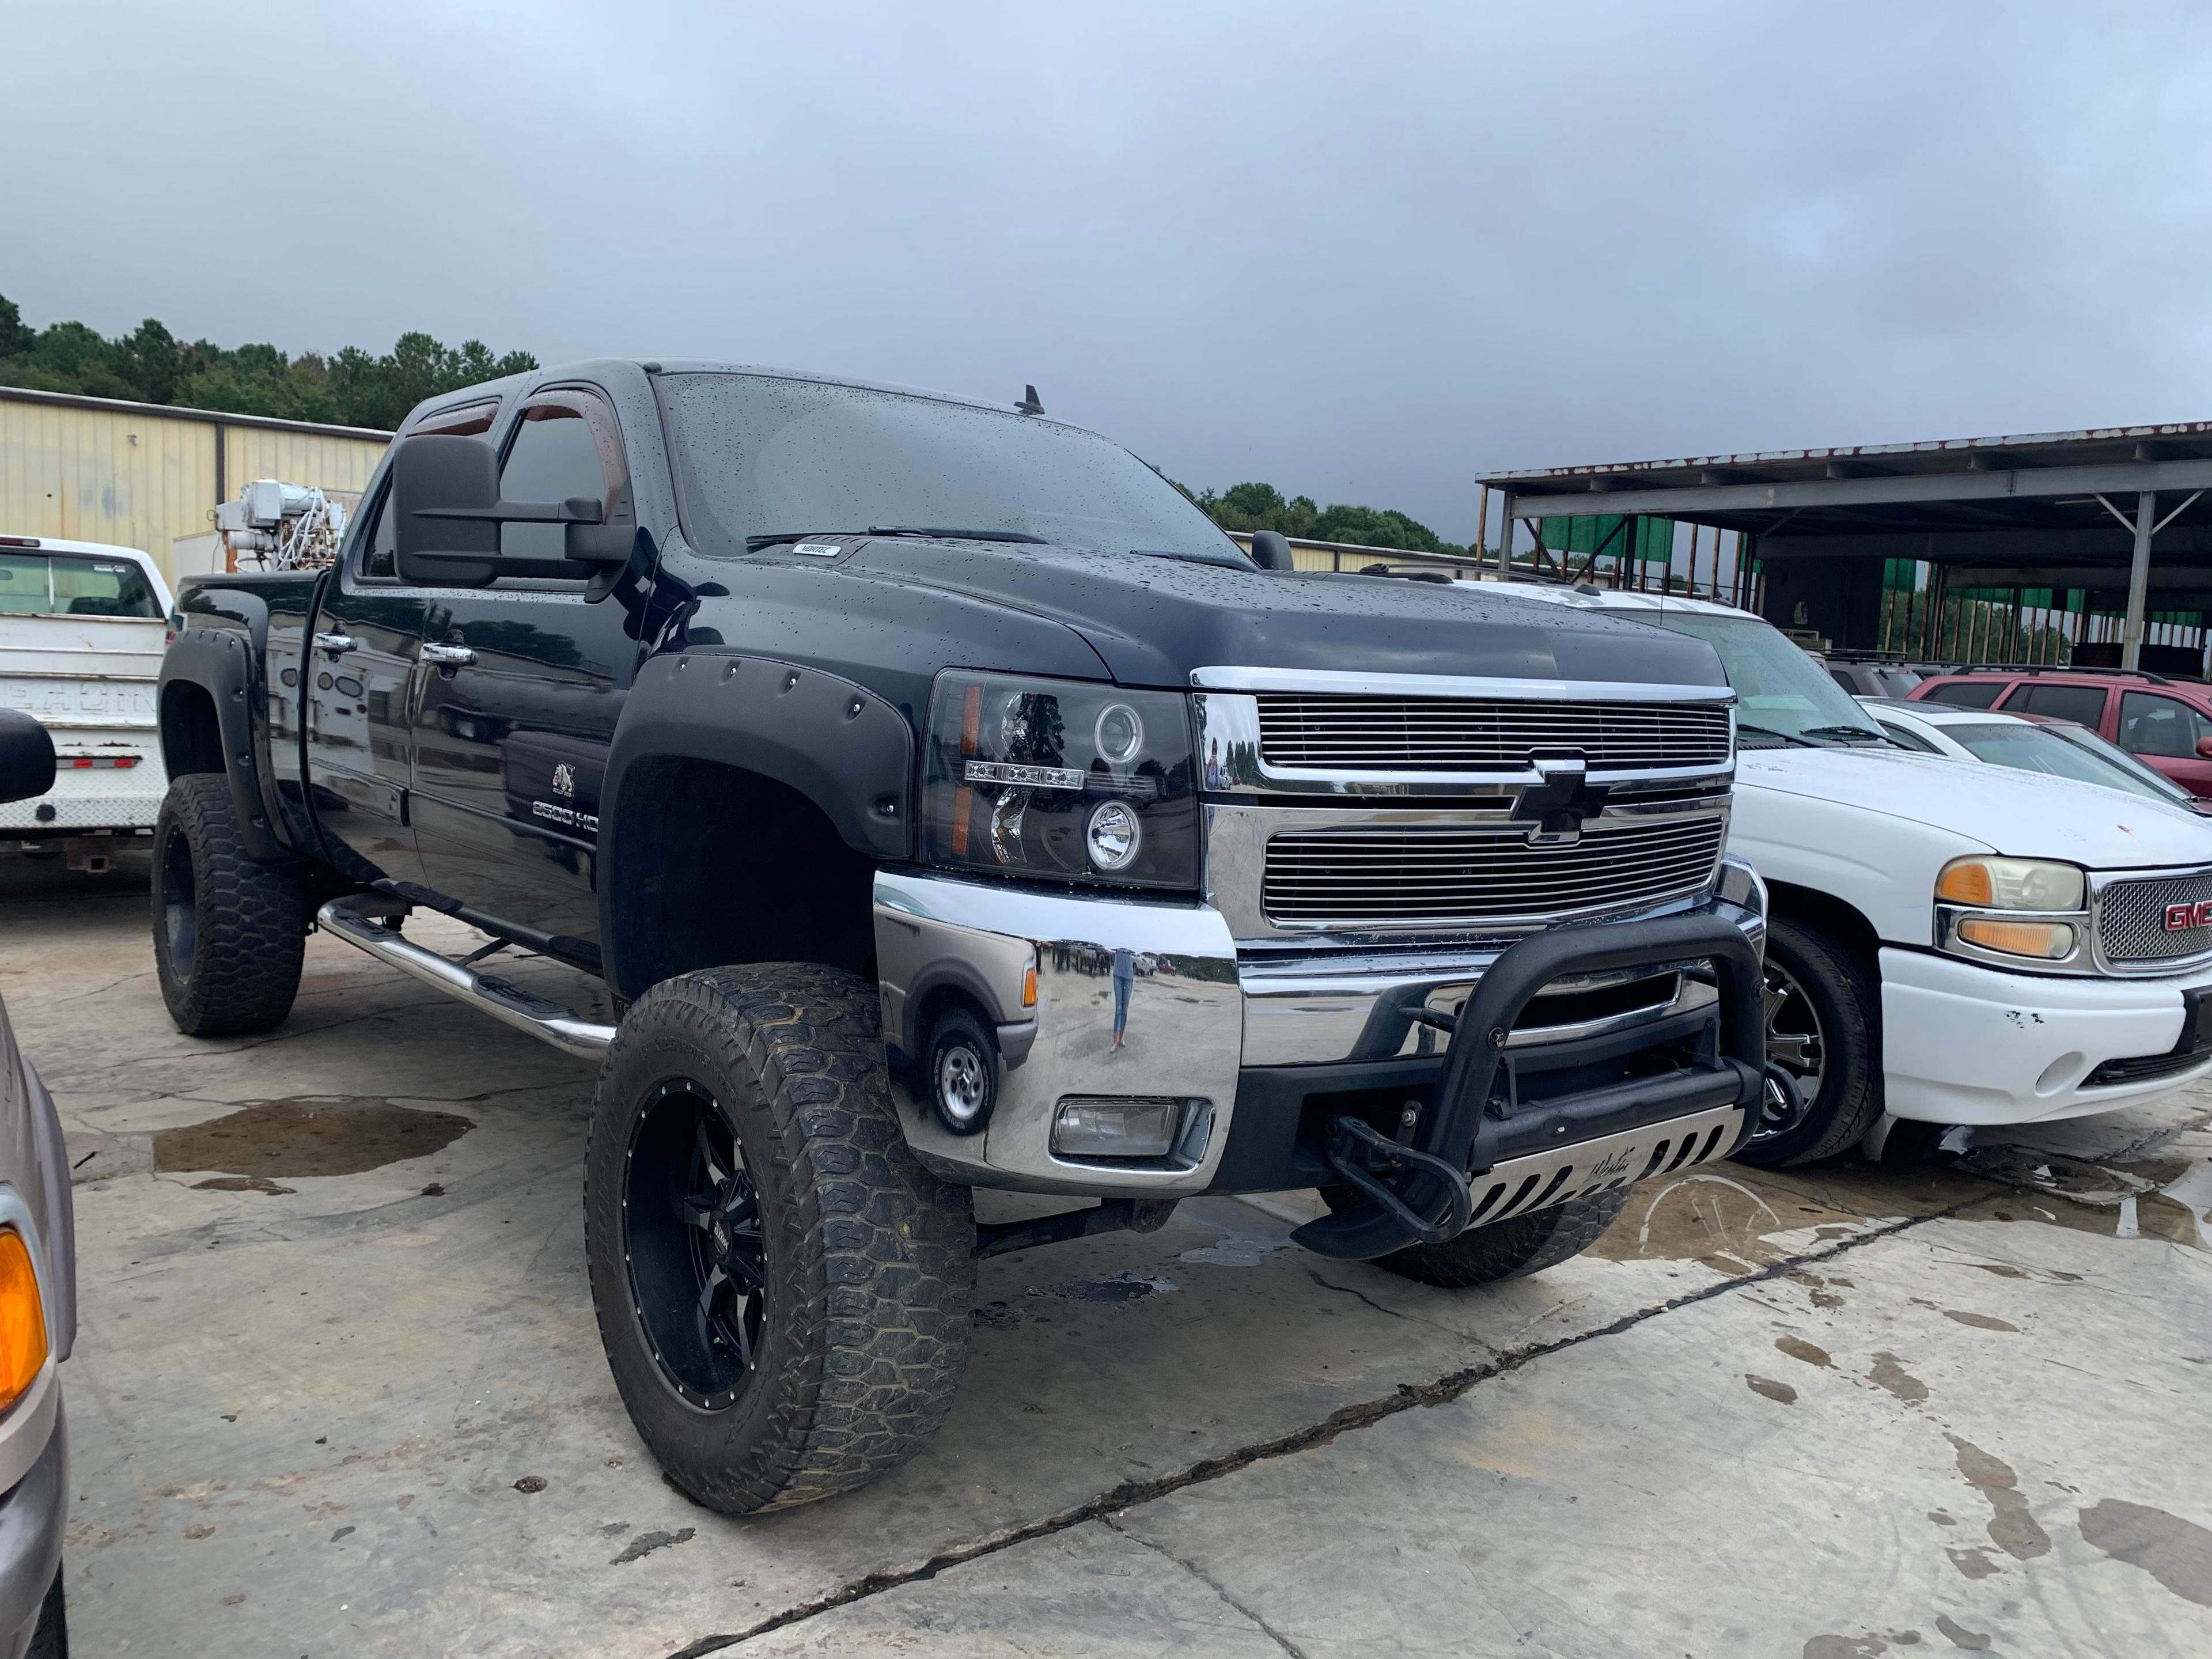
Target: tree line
{"type": "Point", "coordinates": [151, 365]}
{"type": "Point", "coordinates": [354, 387]}
{"type": "Point", "coordinates": [1261, 506]}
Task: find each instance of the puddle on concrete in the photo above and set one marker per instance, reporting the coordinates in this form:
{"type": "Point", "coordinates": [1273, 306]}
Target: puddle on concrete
{"type": "Point", "coordinates": [2175, 1551]}
{"type": "Point", "coordinates": [1797, 1348]}
{"type": "Point", "coordinates": [2011, 1528]}
{"type": "Point", "coordinates": [1781, 1393]}
{"type": "Point", "coordinates": [1727, 1221]}
{"type": "Point", "coordinates": [1888, 1374]}
{"type": "Point", "coordinates": [308, 1135]}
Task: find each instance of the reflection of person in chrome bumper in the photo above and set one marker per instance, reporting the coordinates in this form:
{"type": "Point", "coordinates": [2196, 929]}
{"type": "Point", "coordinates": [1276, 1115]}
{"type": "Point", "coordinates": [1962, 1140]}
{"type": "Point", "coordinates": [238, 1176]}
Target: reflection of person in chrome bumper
{"type": "Point", "coordinates": [1125, 977]}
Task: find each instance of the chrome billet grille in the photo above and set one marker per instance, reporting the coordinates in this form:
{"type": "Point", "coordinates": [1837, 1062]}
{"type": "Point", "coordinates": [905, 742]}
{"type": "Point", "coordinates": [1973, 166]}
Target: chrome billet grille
{"type": "Point", "coordinates": [1446, 734]}
{"type": "Point", "coordinates": [1398, 877]}
{"type": "Point", "coordinates": [2132, 926]}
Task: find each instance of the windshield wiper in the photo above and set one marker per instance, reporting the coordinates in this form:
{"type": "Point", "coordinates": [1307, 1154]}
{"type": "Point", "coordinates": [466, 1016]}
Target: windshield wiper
{"type": "Point", "coordinates": [958, 535]}
{"type": "Point", "coordinates": [1742, 727]}
{"type": "Point", "coordinates": [1849, 731]}
{"type": "Point", "coordinates": [773, 537]}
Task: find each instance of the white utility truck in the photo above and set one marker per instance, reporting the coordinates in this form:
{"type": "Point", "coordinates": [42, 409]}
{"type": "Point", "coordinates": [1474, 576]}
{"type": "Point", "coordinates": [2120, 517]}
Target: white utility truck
{"type": "Point", "coordinates": [82, 626]}
{"type": "Point", "coordinates": [1948, 943]}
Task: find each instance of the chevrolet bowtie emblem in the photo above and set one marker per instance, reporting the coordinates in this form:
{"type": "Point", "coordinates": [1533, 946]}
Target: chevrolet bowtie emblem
{"type": "Point", "coordinates": [1556, 808]}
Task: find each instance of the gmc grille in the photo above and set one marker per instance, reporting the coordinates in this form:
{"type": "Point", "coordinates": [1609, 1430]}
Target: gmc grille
{"type": "Point", "coordinates": [1439, 734]}
{"type": "Point", "coordinates": [2133, 925]}
{"type": "Point", "coordinates": [1397, 878]}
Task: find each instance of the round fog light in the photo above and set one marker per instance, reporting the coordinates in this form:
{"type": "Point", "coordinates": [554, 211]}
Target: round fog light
{"type": "Point", "coordinates": [1113, 836]}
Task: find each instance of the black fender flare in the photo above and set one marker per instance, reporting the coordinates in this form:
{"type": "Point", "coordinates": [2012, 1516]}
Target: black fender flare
{"type": "Point", "coordinates": [843, 747]}
{"type": "Point", "coordinates": [220, 662]}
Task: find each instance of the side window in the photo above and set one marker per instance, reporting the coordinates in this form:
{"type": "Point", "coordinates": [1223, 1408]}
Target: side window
{"type": "Point", "coordinates": [380, 560]}
{"type": "Point", "coordinates": [2084, 703]}
{"type": "Point", "coordinates": [1967, 694]}
{"type": "Point", "coordinates": [2164, 726]}
{"type": "Point", "coordinates": [565, 445]}
{"type": "Point", "coordinates": [1842, 677]}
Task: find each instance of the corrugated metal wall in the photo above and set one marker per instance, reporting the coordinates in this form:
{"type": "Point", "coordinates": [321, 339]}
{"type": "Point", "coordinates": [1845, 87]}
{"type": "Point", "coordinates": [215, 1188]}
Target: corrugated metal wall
{"type": "Point", "coordinates": [140, 476]}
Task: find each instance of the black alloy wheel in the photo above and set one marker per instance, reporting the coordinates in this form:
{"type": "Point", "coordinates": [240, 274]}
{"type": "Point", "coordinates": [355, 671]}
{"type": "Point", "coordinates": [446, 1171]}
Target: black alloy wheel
{"type": "Point", "coordinates": [691, 1233]}
{"type": "Point", "coordinates": [1795, 1046]}
{"type": "Point", "coordinates": [1823, 1008]}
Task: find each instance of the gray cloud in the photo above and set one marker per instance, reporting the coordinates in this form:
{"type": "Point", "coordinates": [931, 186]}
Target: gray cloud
{"type": "Point", "coordinates": [1362, 252]}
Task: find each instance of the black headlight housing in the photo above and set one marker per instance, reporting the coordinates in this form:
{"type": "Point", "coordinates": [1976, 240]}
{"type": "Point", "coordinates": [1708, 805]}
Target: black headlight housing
{"type": "Point", "coordinates": [1060, 780]}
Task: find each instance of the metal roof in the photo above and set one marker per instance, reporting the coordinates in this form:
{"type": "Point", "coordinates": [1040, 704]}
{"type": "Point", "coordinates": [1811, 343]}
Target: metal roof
{"type": "Point", "coordinates": [2175, 440]}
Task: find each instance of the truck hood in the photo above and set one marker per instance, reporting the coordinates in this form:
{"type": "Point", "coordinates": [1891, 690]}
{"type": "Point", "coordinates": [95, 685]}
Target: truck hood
{"type": "Point", "coordinates": [2022, 814]}
{"type": "Point", "coordinates": [1152, 620]}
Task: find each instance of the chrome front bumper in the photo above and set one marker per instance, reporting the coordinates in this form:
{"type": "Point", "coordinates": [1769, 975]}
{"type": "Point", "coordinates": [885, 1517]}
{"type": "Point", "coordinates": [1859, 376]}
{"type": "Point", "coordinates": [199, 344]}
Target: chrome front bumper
{"type": "Point", "coordinates": [1198, 1016]}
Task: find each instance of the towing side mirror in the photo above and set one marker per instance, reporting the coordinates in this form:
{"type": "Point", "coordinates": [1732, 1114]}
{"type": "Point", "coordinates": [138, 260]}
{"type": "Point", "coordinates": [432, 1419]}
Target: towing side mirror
{"type": "Point", "coordinates": [447, 511]}
{"type": "Point", "coordinates": [26, 757]}
{"type": "Point", "coordinates": [1271, 550]}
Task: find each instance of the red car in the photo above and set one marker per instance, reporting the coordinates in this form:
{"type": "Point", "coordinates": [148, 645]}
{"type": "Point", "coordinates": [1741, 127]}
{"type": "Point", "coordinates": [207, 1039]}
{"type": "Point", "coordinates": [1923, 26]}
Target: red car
{"type": "Point", "coordinates": [2165, 723]}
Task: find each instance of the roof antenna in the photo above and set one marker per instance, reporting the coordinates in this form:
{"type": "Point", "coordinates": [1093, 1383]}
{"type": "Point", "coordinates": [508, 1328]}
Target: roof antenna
{"type": "Point", "coordinates": [1029, 404]}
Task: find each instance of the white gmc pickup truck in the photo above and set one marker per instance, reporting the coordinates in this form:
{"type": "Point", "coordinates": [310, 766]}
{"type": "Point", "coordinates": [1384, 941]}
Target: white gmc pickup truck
{"type": "Point", "coordinates": [1950, 943]}
{"type": "Point", "coordinates": [82, 626]}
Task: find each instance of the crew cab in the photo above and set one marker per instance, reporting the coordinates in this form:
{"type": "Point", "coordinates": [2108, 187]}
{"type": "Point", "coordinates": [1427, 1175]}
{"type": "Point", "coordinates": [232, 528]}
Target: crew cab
{"type": "Point", "coordinates": [1951, 943]}
{"type": "Point", "coordinates": [947, 803]}
{"type": "Point", "coordinates": [82, 627]}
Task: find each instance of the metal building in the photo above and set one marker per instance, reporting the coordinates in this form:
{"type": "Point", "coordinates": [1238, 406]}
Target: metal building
{"type": "Point", "coordinates": [143, 475]}
{"type": "Point", "coordinates": [1997, 548]}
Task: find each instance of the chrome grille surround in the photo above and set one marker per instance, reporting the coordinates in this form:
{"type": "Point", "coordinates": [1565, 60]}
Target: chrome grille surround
{"type": "Point", "coordinates": [2130, 933]}
{"type": "Point", "coordinates": [1407, 847]}
{"type": "Point", "coordinates": [1354, 734]}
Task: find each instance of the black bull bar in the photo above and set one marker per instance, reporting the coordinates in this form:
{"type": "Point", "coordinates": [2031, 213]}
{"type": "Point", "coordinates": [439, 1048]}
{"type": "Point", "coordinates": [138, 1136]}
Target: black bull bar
{"type": "Point", "coordinates": [1415, 1190]}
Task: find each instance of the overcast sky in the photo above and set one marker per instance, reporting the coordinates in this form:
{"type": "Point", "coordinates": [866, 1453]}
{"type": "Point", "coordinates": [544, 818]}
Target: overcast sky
{"type": "Point", "coordinates": [1363, 252]}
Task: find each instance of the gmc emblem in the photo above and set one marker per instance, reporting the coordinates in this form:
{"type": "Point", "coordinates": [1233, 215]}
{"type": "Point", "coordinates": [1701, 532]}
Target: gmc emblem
{"type": "Point", "coordinates": [2198, 914]}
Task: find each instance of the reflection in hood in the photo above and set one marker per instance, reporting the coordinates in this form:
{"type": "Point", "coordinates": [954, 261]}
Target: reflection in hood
{"type": "Point", "coordinates": [2022, 814]}
{"type": "Point", "coordinates": [1153, 620]}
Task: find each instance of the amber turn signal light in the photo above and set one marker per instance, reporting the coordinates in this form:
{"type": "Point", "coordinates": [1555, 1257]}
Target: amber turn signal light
{"type": "Point", "coordinates": [1029, 985]}
{"type": "Point", "coordinates": [2048, 940]}
{"type": "Point", "coordinates": [23, 1319]}
{"type": "Point", "coordinates": [1967, 882]}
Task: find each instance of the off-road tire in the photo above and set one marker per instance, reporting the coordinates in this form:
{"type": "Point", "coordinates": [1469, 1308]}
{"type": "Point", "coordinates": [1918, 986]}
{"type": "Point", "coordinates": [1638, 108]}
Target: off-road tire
{"type": "Point", "coordinates": [51, 1639]}
{"type": "Point", "coordinates": [1510, 1249]}
{"type": "Point", "coordinates": [870, 1266]}
{"type": "Point", "coordinates": [1846, 999]}
{"type": "Point", "coordinates": [233, 965]}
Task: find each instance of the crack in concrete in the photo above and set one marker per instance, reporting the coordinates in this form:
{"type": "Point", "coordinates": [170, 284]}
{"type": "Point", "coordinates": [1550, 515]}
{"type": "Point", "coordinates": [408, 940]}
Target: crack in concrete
{"type": "Point", "coordinates": [1210, 1582]}
{"type": "Point", "coordinates": [1364, 1415]}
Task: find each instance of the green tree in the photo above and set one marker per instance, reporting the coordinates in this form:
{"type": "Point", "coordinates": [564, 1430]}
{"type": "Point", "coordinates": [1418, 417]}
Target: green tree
{"type": "Point", "coordinates": [1254, 506]}
{"type": "Point", "coordinates": [150, 365]}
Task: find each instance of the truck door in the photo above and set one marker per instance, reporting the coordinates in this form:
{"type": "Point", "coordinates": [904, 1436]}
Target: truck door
{"type": "Point", "coordinates": [352, 679]}
{"type": "Point", "coordinates": [522, 684]}
{"type": "Point", "coordinates": [2164, 731]}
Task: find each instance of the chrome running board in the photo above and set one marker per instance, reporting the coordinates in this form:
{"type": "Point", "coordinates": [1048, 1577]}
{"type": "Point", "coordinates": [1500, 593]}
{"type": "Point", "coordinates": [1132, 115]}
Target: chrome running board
{"type": "Point", "coordinates": [547, 1021]}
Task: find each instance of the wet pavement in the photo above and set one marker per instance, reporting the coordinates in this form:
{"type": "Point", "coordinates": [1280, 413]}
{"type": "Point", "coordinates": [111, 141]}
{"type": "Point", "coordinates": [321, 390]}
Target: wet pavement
{"type": "Point", "coordinates": [338, 1390]}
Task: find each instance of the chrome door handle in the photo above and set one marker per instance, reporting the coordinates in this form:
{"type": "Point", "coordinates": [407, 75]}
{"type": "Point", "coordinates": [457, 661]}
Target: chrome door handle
{"type": "Point", "coordinates": [448, 656]}
{"type": "Point", "coordinates": [337, 644]}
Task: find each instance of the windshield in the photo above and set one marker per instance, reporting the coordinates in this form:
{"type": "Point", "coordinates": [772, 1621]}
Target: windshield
{"type": "Point", "coordinates": [761, 456]}
{"type": "Point", "coordinates": [2047, 749]}
{"type": "Point", "coordinates": [1781, 693]}
{"type": "Point", "coordinates": [72, 585]}
{"type": "Point", "coordinates": [2152, 780]}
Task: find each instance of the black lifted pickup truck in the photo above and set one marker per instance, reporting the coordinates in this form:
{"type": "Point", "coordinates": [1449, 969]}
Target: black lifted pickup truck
{"type": "Point", "coordinates": [946, 803]}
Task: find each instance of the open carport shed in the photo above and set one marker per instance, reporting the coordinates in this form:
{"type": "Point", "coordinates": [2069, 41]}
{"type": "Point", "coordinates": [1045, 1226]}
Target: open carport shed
{"type": "Point", "coordinates": [2073, 526]}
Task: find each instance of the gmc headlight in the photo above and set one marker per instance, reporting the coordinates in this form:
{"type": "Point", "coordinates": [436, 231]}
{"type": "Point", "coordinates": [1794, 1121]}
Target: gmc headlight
{"type": "Point", "coordinates": [1060, 780]}
{"type": "Point", "coordinates": [2012, 885]}
{"type": "Point", "coordinates": [2035, 909]}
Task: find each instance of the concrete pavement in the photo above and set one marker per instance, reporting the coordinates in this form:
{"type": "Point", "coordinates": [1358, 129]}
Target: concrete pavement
{"type": "Point", "coordinates": [338, 1391]}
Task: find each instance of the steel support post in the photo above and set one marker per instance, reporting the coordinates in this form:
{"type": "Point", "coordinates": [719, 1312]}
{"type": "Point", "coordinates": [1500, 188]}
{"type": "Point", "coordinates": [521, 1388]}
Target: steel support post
{"type": "Point", "coordinates": [2138, 581]}
{"type": "Point", "coordinates": [1505, 533]}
